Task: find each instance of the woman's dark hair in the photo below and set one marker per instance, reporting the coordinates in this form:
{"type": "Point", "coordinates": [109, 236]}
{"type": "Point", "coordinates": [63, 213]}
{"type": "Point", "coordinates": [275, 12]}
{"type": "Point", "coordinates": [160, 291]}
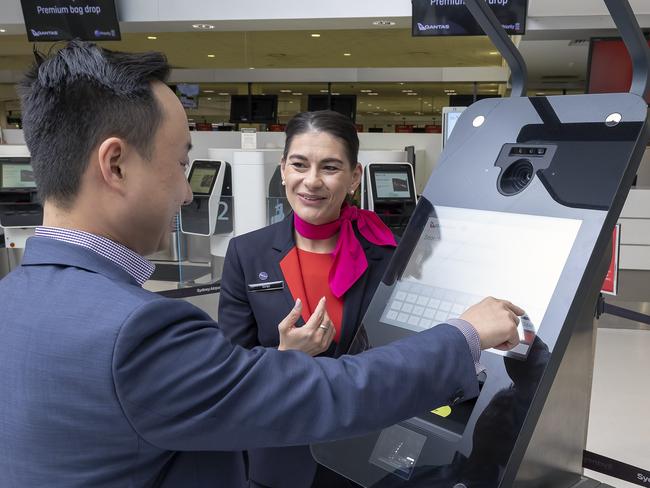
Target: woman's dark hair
{"type": "Point", "coordinates": [78, 97]}
{"type": "Point", "coordinates": [332, 123]}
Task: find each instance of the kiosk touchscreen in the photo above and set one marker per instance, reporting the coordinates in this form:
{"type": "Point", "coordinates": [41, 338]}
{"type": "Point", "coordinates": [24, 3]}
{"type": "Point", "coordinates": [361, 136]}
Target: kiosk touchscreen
{"type": "Point", "coordinates": [390, 193]}
{"type": "Point", "coordinates": [206, 179]}
{"type": "Point", "coordinates": [521, 206]}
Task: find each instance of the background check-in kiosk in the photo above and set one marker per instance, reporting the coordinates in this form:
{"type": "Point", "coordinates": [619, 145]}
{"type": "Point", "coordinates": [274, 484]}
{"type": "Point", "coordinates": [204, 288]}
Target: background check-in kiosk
{"type": "Point", "coordinates": [20, 210]}
{"type": "Point", "coordinates": [232, 192]}
{"type": "Point", "coordinates": [521, 206]}
{"type": "Point", "coordinates": [206, 179]}
{"type": "Point", "coordinates": [388, 189]}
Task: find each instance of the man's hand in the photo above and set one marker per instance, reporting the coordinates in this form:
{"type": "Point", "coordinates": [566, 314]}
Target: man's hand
{"type": "Point", "coordinates": [312, 338]}
{"type": "Point", "coordinates": [496, 323]}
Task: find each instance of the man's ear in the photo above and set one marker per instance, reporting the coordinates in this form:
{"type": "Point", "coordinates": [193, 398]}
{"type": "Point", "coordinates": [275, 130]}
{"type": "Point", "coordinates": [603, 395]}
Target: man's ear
{"type": "Point", "coordinates": [111, 158]}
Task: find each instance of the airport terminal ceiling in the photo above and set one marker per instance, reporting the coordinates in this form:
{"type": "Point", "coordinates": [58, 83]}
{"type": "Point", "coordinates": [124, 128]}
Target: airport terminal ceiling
{"type": "Point", "coordinates": [556, 65]}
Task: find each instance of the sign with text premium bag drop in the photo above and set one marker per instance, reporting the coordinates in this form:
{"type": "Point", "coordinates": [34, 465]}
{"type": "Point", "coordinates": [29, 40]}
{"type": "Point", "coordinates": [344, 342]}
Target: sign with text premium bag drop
{"type": "Point", "coordinates": [59, 20]}
{"type": "Point", "coordinates": [452, 17]}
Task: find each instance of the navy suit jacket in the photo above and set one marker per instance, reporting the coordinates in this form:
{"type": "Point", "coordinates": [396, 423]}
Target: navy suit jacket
{"type": "Point", "coordinates": [105, 384]}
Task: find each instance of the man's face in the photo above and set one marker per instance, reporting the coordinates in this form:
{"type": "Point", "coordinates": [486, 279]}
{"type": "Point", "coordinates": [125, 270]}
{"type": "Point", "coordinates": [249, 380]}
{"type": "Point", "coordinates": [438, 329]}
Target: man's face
{"type": "Point", "coordinates": [159, 186]}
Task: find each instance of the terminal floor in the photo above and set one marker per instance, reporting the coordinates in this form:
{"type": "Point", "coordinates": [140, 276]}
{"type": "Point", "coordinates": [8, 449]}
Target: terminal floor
{"type": "Point", "coordinates": [619, 424]}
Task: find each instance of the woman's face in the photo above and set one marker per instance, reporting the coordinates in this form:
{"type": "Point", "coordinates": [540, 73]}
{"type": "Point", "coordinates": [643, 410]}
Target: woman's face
{"type": "Point", "coordinates": [318, 175]}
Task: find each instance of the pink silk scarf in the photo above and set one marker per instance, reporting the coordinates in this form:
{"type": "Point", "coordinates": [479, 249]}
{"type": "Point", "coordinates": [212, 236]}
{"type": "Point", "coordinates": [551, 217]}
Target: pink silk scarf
{"type": "Point", "coordinates": [349, 259]}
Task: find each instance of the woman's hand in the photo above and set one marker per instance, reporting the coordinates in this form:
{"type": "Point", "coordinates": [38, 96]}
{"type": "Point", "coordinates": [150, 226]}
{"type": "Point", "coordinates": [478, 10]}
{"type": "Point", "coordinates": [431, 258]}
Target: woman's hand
{"type": "Point", "coordinates": [312, 338]}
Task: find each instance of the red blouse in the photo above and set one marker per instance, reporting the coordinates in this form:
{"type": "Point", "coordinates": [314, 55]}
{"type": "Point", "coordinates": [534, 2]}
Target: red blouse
{"type": "Point", "coordinates": [306, 274]}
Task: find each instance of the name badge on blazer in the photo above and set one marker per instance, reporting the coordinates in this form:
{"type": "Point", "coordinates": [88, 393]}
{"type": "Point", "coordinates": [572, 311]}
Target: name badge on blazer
{"type": "Point", "coordinates": [269, 286]}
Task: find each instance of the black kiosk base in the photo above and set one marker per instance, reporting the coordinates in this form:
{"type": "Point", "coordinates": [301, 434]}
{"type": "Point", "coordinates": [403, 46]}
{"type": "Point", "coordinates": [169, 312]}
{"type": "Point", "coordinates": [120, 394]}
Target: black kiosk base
{"type": "Point", "coordinates": [521, 206]}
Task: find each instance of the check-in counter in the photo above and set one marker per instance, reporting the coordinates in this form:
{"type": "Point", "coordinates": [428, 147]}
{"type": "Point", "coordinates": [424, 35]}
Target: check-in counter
{"type": "Point", "coordinates": [635, 230]}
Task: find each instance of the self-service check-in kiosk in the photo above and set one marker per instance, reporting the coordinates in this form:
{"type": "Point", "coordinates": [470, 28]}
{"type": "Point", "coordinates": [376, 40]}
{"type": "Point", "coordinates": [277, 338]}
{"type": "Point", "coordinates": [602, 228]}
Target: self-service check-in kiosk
{"type": "Point", "coordinates": [388, 189]}
{"type": "Point", "coordinates": [521, 206]}
{"type": "Point", "coordinates": [237, 202]}
{"type": "Point", "coordinates": [206, 180]}
{"type": "Point", "coordinates": [20, 210]}
{"type": "Point", "coordinates": [246, 195]}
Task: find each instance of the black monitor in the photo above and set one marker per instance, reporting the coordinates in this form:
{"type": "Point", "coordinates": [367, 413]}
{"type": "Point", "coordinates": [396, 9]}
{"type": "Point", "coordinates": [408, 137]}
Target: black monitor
{"type": "Point", "coordinates": [202, 178]}
{"type": "Point", "coordinates": [263, 109]}
{"type": "Point", "coordinates": [16, 174]}
{"type": "Point", "coordinates": [453, 18]}
{"type": "Point", "coordinates": [58, 20]}
{"type": "Point", "coordinates": [343, 104]}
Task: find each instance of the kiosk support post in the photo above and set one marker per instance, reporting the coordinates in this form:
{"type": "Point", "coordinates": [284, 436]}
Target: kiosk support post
{"type": "Point", "coordinates": [635, 43]}
{"type": "Point", "coordinates": [492, 28]}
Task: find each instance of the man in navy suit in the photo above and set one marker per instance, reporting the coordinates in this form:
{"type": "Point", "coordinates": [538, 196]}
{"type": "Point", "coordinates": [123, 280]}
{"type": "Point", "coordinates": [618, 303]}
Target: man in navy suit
{"type": "Point", "coordinates": [106, 384]}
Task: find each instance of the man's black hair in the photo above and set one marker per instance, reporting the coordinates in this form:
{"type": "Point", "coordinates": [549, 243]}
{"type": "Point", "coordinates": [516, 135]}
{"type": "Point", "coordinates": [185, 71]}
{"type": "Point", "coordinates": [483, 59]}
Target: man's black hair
{"type": "Point", "coordinates": [78, 97]}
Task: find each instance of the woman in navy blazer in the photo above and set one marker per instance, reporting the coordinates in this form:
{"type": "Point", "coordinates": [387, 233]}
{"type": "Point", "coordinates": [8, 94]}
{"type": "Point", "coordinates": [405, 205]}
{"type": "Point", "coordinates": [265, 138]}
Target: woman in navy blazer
{"type": "Point", "coordinates": [258, 286]}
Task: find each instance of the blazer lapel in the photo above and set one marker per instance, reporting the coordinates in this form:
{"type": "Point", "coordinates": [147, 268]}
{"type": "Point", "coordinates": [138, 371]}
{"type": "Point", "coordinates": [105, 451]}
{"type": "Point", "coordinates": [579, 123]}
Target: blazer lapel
{"type": "Point", "coordinates": [283, 242]}
{"type": "Point", "coordinates": [353, 301]}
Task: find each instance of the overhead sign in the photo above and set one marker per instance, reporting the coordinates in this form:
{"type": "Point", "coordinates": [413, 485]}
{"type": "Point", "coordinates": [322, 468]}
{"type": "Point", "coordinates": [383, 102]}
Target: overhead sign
{"type": "Point", "coordinates": [453, 18]}
{"type": "Point", "coordinates": [58, 20]}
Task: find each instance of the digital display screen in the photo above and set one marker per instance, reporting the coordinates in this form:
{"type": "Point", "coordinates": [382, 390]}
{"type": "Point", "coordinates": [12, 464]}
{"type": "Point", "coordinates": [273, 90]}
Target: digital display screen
{"type": "Point", "coordinates": [392, 184]}
{"type": "Point", "coordinates": [263, 109]}
{"type": "Point", "coordinates": [453, 18]}
{"type": "Point", "coordinates": [343, 104]}
{"type": "Point", "coordinates": [465, 255]}
{"type": "Point", "coordinates": [56, 20]}
{"type": "Point", "coordinates": [18, 176]}
{"type": "Point", "coordinates": [202, 179]}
